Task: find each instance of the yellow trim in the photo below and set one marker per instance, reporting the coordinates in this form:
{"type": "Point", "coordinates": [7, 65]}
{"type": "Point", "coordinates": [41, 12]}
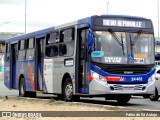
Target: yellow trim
{"type": "Point", "coordinates": [12, 89]}
{"type": "Point", "coordinates": [39, 92]}
{"type": "Point", "coordinates": [81, 94]}
{"type": "Point", "coordinates": [140, 55]}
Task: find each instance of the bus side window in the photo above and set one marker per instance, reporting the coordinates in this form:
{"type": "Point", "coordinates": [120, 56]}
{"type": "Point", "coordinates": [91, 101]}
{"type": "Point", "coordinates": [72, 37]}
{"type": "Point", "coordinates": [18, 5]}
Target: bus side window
{"type": "Point", "coordinates": [52, 44]}
{"type": "Point", "coordinates": [2, 47]}
{"type": "Point", "coordinates": [22, 44]}
{"type": "Point", "coordinates": [63, 49]}
{"type": "Point", "coordinates": [21, 48]}
{"type": "Point", "coordinates": [52, 51]}
{"type": "Point", "coordinates": [7, 53]}
{"type": "Point", "coordinates": [84, 34]}
{"type": "Point", "coordinates": [30, 49]}
{"type": "Point", "coordinates": [67, 42]}
{"type": "Point", "coordinates": [83, 37]}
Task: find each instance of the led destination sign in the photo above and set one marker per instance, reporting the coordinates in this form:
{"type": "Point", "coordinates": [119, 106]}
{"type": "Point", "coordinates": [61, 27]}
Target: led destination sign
{"type": "Point", "coordinates": [119, 23]}
{"type": "Point", "coordinates": [123, 23]}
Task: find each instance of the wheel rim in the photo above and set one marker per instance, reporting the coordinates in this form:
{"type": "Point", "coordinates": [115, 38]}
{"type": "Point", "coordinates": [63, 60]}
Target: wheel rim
{"type": "Point", "coordinates": [68, 91]}
{"type": "Point", "coordinates": [22, 88]}
{"type": "Point", "coordinates": [153, 96]}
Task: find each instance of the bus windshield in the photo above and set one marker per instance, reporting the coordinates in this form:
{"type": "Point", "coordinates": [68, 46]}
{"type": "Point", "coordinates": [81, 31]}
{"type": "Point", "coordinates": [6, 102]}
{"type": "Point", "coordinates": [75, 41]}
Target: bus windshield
{"type": "Point", "coordinates": [114, 48]}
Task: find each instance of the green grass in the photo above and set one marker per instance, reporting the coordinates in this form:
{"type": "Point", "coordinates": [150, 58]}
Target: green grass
{"type": "Point", "coordinates": [52, 100]}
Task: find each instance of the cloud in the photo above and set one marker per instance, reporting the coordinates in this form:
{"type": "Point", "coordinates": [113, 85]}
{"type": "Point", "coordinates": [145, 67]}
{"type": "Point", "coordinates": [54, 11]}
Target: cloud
{"type": "Point", "coordinates": [12, 2]}
{"type": "Point", "coordinates": [44, 13]}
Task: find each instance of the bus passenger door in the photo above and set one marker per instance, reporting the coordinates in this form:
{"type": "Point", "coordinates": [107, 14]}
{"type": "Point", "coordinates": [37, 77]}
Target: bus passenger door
{"type": "Point", "coordinates": [7, 63]}
{"type": "Point", "coordinates": [13, 60]}
{"type": "Point", "coordinates": [82, 66]}
{"type": "Point", "coordinates": [39, 63]}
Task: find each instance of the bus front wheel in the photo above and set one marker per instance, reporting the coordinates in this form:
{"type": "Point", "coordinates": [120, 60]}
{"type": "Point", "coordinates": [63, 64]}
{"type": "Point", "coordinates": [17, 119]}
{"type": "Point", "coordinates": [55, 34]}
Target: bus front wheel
{"type": "Point", "coordinates": [123, 99]}
{"type": "Point", "coordinates": [155, 96]}
{"type": "Point", "coordinates": [22, 88]}
{"type": "Point", "coordinates": [67, 90]}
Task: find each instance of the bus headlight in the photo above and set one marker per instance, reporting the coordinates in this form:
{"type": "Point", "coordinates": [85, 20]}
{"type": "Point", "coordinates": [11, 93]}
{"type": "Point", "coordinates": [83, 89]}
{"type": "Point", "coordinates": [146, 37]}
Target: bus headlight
{"type": "Point", "coordinates": [95, 76]}
{"type": "Point", "coordinates": [98, 77]}
{"type": "Point", "coordinates": [151, 79]}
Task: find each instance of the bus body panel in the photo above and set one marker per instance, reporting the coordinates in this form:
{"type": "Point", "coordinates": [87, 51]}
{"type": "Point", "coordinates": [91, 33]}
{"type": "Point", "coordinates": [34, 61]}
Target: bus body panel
{"type": "Point", "coordinates": [40, 80]}
{"type": "Point", "coordinates": [49, 76]}
{"type": "Point", "coordinates": [26, 70]}
{"type": "Point", "coordinates": [62, 68]}
{"type": "Point", "coordinates": [53, 74]}
{"type": "Point", "coordinates": [14, 76]}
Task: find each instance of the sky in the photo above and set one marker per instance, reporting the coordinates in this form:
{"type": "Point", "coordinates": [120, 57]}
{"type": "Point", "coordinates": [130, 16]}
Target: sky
{"type": "Point", "coordinates": [42, 14]}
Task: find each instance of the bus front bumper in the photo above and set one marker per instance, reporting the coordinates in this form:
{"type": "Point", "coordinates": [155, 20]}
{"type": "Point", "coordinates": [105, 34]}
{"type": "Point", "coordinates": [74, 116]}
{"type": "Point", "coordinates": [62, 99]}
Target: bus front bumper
{"type": "Point", "coordinates": [102, 88]}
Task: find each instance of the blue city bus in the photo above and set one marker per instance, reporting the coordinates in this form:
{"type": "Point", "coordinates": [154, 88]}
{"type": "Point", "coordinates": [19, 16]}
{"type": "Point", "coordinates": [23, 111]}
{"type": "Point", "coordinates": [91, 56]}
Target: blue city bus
{"type": "Point", "coordinates": [109, 56]}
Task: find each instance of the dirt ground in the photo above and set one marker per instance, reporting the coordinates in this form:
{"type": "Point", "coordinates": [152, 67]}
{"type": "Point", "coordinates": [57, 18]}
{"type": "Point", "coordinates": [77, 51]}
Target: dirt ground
{"type": "Point", "coordinates": [34, 104]}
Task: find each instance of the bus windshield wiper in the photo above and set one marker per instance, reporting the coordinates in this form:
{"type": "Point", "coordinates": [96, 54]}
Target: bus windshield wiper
{"type": "Point", "coordinates": [131, 43]}
{"type": "Point", "coordinates": [122, 44]}
{"type": "Point", "coordinates": [136, 38]}
{"type": "Point", "coordinates": [119, 41]}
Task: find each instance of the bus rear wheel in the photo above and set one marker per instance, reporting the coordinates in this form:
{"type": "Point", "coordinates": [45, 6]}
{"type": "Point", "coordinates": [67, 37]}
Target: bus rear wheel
{"type": "Point", "coordinates": [22, 88]}
{"type": "Point", "coordinates": [67, 90]}
{"type": "Point", "coordinates": [123, 99]}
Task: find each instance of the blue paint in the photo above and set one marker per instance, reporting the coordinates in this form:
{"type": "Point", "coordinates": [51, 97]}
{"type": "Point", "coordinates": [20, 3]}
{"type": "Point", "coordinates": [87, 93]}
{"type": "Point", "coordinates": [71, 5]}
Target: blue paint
{"type": "Point", "coordinates": [131, 57]}
{"type": "Point", "coordinates": [128, 78]}
{"type": "Point", "coordinates": [14, 76]}
{"type": "Point", "coordinates": [40, 82]}
{"type": "Point", "coordinates": [90, 39]}
{"type": "Point", "coordinates": [24, 69]}
{"type": "Point", "coordinates": [97, 54]}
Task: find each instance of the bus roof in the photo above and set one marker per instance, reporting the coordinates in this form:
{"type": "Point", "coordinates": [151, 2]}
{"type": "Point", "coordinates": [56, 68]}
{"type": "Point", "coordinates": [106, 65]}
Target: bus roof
{"type": "Point", "coordinates": [80, 21]}
{"type": "Point", "coordinates": [125, 16]}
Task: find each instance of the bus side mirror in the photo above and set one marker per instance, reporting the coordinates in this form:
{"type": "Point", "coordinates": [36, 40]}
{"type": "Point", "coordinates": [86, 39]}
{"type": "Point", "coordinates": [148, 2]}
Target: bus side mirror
{"type": "Point", "coordinates": [90, 40]}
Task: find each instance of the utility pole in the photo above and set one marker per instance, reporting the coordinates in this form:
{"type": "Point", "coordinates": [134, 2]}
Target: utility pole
{"type": "Point", "coordinates": [107, 6]}
{"type": "Point", "coordinates": [158, 16]}
{"type": "Point", "coordinates": [25, 14]}
{"type": "Point", "coordinates": [158, 24]}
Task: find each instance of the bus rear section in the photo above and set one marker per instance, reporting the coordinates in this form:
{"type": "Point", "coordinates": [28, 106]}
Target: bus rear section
{"type": "Point", "coordinates": [23, 65]}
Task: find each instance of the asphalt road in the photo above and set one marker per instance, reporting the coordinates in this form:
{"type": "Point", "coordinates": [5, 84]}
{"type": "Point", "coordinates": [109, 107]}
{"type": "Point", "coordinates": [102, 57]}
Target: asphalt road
{"type": "Point", "coordinates": [136, 102]}
{"type": "Point", "coordinates": [4, 91]}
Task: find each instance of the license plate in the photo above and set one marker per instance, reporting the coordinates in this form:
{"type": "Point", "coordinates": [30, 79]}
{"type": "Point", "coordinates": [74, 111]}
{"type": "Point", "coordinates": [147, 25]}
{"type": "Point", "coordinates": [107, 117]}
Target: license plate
{"type": "Point", "coordinates": [128, 89]}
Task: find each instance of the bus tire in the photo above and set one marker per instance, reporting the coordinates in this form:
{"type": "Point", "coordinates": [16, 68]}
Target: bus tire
{"type": "Point", "coordinates": [67, 90]}
{"type": "Point", "coordinates": [146, 96]}
{"type": "Point", "coordinates": [22, 88]}
{"type": "Point", "coordinates": [155, 96]}
{"type": "Point", "coordinates": [123, 99]}
{"type": "Point", "coordinates": [76, 98]}
{"type": "Point", "coordinates": [31, 94]}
